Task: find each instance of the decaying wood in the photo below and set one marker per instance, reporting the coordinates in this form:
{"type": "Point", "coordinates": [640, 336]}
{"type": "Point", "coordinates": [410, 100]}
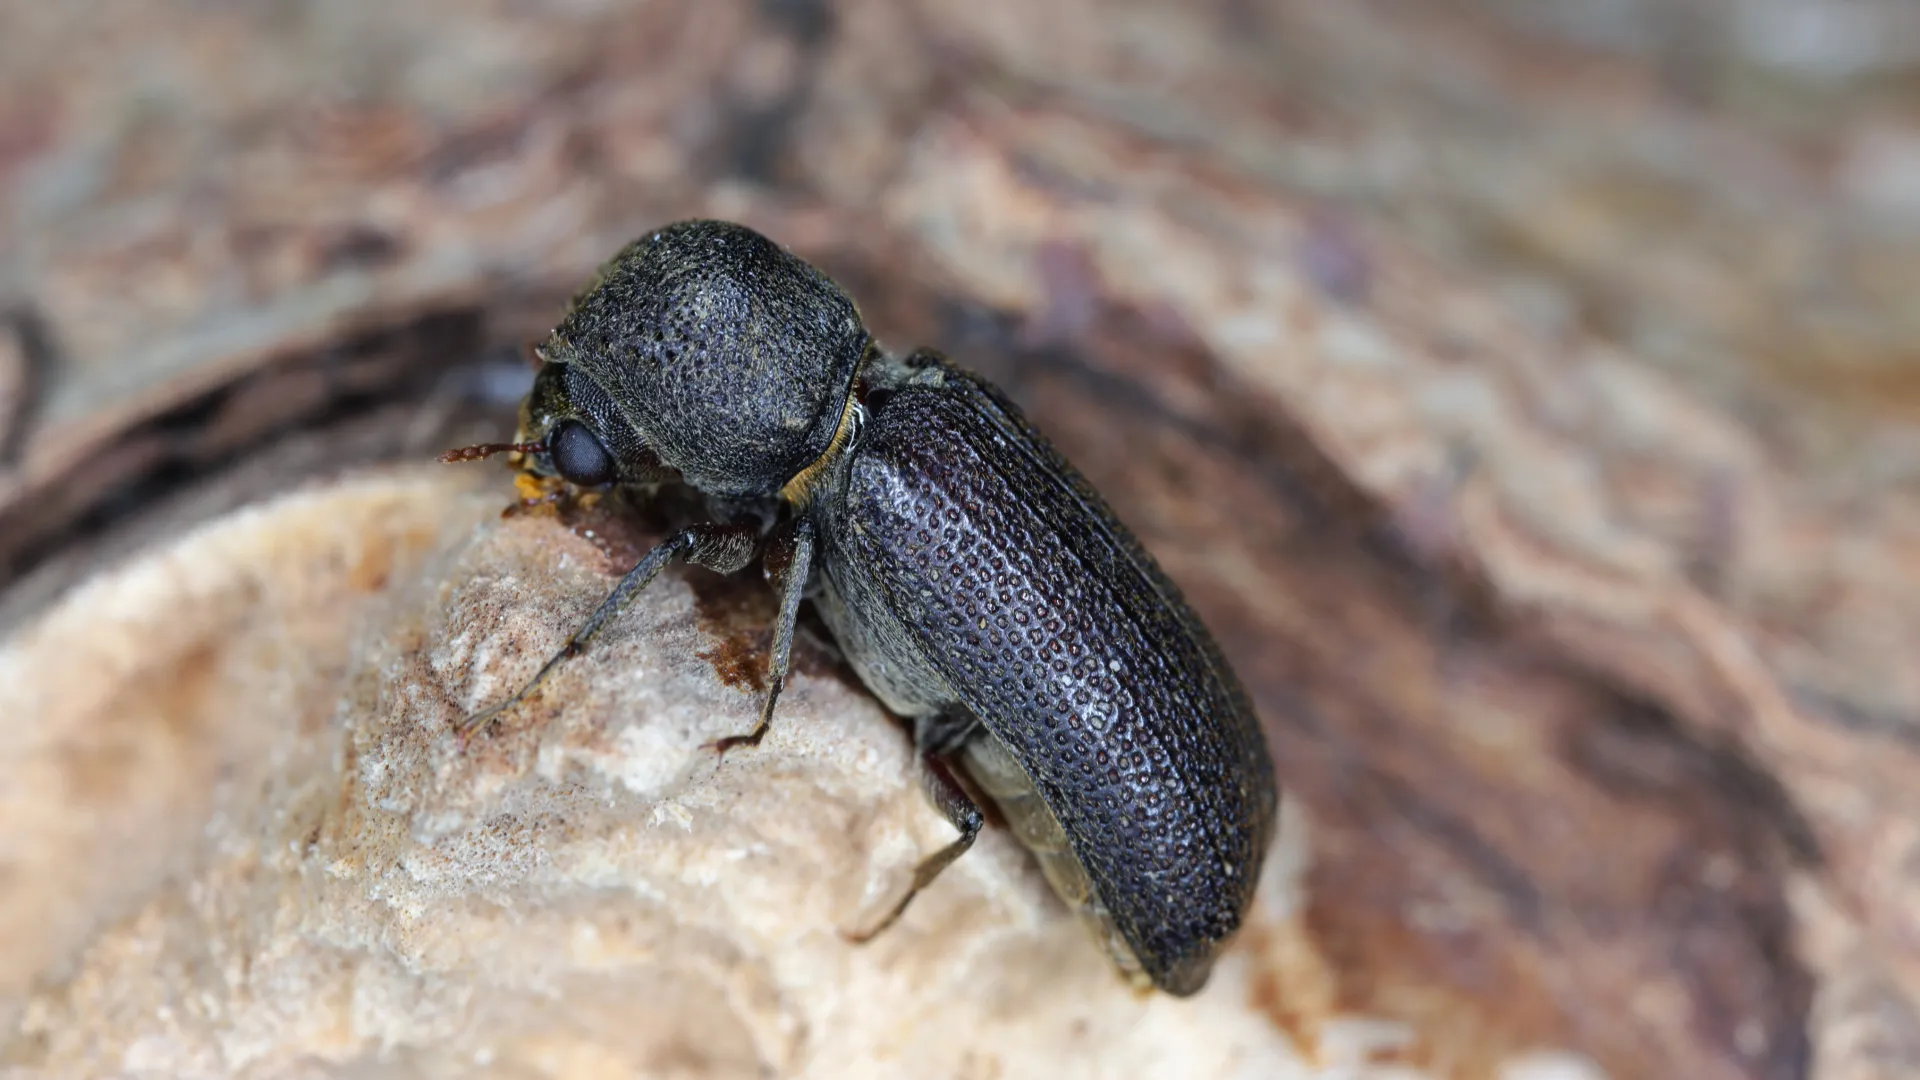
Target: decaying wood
{"type": "Point", "coordinates": [1535, 426]}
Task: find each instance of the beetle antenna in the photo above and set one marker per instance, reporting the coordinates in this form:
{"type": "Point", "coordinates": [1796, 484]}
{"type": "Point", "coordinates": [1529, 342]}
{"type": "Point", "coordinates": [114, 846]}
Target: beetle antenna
{"type": "Point", "coordinates": [479, 451]}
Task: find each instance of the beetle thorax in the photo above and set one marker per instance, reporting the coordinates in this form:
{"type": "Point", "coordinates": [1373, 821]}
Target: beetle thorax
{"type": "Point", "coordinates": [732, 360]}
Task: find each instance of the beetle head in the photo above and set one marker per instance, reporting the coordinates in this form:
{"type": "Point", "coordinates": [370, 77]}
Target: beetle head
{"type": "Point", "coordinates": [702, 349]}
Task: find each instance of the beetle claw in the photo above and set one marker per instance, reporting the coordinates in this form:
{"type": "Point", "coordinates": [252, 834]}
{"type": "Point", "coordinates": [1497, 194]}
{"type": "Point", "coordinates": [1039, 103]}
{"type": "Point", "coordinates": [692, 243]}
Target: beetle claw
{"type": "Point", "coordinates": [474, 723]}
{"type": "Point", "coordinates": [720, 746]}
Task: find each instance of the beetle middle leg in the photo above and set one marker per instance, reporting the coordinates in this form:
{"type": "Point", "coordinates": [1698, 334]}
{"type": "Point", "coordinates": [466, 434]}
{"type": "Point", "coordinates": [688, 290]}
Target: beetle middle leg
{"type": "Point", "coordinates": [788, 561]}
{"type": "Point", "coordinates": [936, 737]}
{"type": "Point", "coordinates": [721, 547]}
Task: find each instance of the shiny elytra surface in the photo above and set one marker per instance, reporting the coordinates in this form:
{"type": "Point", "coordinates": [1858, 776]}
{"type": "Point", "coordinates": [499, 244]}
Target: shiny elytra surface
{"type": "Point", "coordinates": [1053, 626]}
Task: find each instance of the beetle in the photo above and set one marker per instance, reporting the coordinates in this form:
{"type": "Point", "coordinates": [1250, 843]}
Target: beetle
{"type": "Point", "coordinates": [974, 579]}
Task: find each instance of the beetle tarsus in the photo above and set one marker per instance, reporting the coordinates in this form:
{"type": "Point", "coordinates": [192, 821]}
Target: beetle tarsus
{"type": "Point", "coordinates": [481, 720]}
{"type": "Point", "coordinates": [788, 561]}
{"type": "Point", "coordinates": [720, 746]}
{"type": "Point", "coordinates": [958, 807]}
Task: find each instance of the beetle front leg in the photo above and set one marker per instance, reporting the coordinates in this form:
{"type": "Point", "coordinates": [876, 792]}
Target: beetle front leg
{"type": "Point", "coordinates": [934, 737]}
{"type": "Point", "coordinates": [788, 561]}
{"type": "Point", "coordinates": [723, 548]}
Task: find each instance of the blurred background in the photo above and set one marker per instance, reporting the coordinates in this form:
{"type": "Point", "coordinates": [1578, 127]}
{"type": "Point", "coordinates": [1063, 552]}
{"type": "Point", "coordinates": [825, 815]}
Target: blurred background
{"type": "Point", "coordinates": [1527, 391]}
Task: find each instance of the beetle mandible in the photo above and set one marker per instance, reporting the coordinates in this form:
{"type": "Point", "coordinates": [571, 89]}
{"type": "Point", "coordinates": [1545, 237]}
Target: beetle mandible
{"type": "Point", "coordinates": [974, 579]}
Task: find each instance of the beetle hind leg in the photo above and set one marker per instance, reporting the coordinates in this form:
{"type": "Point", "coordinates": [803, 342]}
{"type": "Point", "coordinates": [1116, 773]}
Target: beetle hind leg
{"type": "Point", "coordinates": [952, 800]}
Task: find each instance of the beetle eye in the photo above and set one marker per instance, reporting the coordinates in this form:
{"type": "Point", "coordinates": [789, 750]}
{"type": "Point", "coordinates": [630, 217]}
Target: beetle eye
{"type": "Point", "coordinates": [578, 456]}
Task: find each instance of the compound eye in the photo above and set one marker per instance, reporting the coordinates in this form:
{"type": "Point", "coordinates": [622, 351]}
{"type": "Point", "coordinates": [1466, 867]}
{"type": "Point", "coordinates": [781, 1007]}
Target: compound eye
{"type": "Point", "coordinates": [578, 456]}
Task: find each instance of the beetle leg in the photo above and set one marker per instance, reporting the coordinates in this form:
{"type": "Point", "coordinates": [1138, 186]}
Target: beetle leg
{"type": "Point", "coordinates": [724, 548]}
{"type": "Point", "coordinates": [952, 800]}
{"type": "Point", "coordinates": [943, 734]}
{"type": "Point", "coordinates": [788, 561]}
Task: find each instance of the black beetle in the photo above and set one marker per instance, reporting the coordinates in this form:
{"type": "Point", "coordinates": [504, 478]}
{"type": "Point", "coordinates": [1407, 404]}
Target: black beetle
{"type": "Point", "coordinates": [977, 583]}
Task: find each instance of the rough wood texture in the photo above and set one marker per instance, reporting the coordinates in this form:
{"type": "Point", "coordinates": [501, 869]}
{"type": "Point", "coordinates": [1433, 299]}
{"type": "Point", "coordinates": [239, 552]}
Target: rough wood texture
{"type": "Point", "coordinates": [303, 871]}
{"type": "Point", "coordinates": [1535, 424]}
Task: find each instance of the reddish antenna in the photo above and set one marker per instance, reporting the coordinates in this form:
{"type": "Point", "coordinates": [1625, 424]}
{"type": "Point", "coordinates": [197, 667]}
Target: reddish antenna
{"type": "Point", "coordinates": [479, 451]}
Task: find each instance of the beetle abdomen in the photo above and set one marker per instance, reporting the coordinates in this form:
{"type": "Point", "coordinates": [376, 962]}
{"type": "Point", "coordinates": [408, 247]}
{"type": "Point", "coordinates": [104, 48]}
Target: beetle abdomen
{"type": "Point", "coordinates": [1051, 625]}
{"type": "Point", "coordinates": [992, 767]}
